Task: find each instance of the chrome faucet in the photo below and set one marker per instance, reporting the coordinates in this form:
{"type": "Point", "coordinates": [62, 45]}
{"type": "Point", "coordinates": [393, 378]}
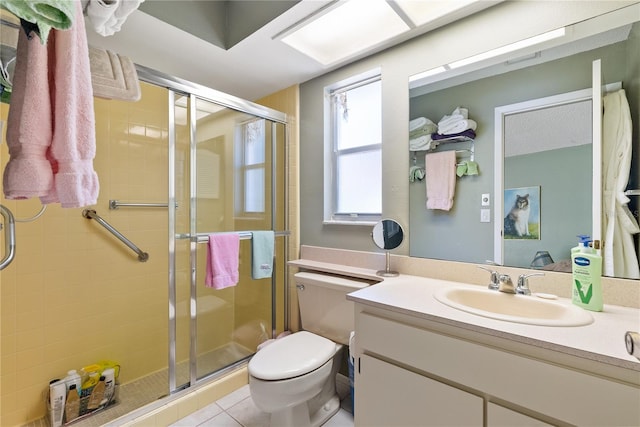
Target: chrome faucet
{"type": "Point", "coordinates": [523, 283]}
{"type": "Point", "coordinates": [493, 284]}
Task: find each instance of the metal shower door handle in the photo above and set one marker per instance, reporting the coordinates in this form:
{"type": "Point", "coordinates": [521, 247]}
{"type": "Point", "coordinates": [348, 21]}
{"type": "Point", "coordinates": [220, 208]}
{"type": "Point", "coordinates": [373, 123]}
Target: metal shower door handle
{"type": "Point", "coordinates": [10, 238]}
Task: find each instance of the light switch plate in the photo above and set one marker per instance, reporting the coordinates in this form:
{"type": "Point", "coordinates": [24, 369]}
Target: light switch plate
{"type": "Point", "coordinates": [485, 215]}
{"type": "Point", "coordinates": [486, 199]}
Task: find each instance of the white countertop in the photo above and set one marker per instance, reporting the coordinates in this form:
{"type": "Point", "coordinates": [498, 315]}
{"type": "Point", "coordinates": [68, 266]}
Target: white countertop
{"type": "Point", "coordinates": [602, 340]}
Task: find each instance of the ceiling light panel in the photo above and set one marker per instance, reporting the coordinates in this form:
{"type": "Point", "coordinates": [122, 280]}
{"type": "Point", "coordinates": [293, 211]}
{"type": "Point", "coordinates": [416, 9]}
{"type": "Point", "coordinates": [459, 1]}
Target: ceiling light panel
{"type": "Point", "coordinates": [424, 11]}
{"type": "Point", "coordinates": [347, 29]}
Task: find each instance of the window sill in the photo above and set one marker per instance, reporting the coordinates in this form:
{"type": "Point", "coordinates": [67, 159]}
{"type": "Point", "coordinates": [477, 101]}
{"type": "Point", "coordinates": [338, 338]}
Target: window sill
{"type": "Point", "coordinates": [367, 223]}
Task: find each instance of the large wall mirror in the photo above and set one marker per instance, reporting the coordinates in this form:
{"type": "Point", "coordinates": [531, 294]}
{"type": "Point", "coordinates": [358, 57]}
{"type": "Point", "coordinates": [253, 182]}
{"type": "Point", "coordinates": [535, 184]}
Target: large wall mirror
{"type": "Point", "coordinates": [561, 194]}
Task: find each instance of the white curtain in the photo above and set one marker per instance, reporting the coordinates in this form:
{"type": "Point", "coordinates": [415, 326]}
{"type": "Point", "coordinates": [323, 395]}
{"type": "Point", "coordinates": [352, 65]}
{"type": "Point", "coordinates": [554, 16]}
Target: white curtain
{"type": "Point", "coordinates": [619, 254]}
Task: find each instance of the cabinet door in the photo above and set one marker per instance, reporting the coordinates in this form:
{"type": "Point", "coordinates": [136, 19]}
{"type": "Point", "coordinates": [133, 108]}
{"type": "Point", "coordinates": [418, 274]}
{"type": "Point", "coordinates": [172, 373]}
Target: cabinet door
{"type": "Point", "coordinates": [499, 416]}
{"type": "Point", "coordinates": [387, 395]}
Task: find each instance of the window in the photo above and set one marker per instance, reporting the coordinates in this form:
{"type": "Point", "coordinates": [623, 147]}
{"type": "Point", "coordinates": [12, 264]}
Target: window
{"type": "Point", "coordinates": [353, 191]}
{"type": "Point", "coordinates": [250, 157]}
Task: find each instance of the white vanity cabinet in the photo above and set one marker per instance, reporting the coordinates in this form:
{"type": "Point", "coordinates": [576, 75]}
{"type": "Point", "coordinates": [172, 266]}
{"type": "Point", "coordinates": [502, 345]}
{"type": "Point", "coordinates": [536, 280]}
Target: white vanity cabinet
{"type": "Point", "coordinates": [412, 371]}
{"type": "Point", "coordinates": [390, 395]}
{"type": "Point", "coordinates": [499, 416]}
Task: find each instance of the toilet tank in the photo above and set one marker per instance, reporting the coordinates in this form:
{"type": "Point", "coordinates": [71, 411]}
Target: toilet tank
{"type": "Point", "coordinates": [324, 309]}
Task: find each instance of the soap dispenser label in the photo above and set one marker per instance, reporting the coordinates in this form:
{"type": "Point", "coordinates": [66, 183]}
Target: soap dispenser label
{"type": "Point", "coordinates": [585, 298]}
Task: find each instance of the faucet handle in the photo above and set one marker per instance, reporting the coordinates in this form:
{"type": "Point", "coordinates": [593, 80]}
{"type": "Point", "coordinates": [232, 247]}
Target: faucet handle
{"type": "Point", "coordinates": [494, 283]}
{"type": "Point", "coordinates": [523, 283]}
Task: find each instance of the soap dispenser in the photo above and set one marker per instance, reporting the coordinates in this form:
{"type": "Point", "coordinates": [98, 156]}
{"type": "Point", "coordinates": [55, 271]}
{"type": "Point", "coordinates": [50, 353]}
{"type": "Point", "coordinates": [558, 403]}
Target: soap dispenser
{"type": "Point", "coordinates": [586, 269]}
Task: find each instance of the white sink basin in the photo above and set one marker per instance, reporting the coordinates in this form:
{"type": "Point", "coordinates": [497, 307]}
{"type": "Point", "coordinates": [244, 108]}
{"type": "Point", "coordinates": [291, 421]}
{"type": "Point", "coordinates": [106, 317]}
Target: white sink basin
{"type": "Point", "coordinates": [513, 308]}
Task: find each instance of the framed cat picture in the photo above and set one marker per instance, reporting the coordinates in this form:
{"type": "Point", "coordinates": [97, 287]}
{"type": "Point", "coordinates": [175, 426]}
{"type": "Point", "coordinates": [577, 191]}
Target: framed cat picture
{"type": "Point", "coordinates": [522, 213]}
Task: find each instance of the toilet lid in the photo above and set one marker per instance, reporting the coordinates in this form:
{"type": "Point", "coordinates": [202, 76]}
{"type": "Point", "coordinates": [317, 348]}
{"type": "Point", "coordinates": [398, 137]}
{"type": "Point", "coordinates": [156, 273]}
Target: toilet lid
{"type": "Point", "coordinates": [278, 360]}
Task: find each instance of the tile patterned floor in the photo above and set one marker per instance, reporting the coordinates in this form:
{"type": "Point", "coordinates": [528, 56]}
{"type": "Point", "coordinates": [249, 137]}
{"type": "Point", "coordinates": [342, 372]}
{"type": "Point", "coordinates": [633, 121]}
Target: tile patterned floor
{"type": "Point", "coordinates": [238, 410]}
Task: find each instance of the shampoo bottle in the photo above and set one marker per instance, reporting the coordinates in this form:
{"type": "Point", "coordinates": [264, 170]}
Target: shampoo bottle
{"type": "Point", "coordinates": [586, 268]}
{"type": "Point", "coordinates": [57, 397]}
{"type": "Point", "coordinates": [72, 406]}
{"type": "Point", "coordinates": [109, 384]}
{"type": "Point", "coordinates": [95, 399]}
{"type": "Point", "coordinates": [73, 377]}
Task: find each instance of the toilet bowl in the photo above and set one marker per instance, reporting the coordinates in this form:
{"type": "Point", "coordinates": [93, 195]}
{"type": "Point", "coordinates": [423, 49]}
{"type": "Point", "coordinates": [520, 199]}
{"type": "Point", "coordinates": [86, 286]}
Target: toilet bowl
{"type": "Point", "coordinates": [294, 378]}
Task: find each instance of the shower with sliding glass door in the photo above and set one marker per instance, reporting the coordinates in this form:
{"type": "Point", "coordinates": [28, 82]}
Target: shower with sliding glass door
{"type": "Point", "coordinates": [226, 175]}
{"type": "Point", "coordinates": [181, 164]}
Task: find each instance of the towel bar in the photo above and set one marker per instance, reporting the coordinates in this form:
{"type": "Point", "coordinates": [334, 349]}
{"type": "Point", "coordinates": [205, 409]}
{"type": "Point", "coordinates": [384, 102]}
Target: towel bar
{"type": "Point", "coordinates": [204, 237]}
{"type": "Point", "coordinates": [115, 204]}
{"type": "Point", "coordinates": [91, 214]}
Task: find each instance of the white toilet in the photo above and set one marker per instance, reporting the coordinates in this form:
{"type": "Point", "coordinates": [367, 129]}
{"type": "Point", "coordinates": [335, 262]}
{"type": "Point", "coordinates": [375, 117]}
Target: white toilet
{"type": "Point", "coordinates": [294, 377]}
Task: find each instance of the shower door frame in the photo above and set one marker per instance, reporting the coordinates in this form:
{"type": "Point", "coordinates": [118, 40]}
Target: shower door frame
{"type": "Point", "coordinates": [195, 91]}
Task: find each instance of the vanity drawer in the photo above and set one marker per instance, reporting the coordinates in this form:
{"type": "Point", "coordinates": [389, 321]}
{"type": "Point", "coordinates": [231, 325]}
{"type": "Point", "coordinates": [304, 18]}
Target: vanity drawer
{"type": "Point", "coordinates": [565, 394]}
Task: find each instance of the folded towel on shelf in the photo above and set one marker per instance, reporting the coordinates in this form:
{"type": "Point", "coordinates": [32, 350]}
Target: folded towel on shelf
{"type": "Point", "coordinates": [457, 127]}
{"type": "Point", "coordinates": [113, 76]}
{"type": "Point", "coordinates": [417, 123]}
{"type": "Point", "coordinates": [108, 16]}
{"type": "Point", "coordinates": [469, 133]}
{"type": "Point", "coordinates": [440, 179]}
{"type": "Point", "coordinates": [44, 14]}
{"type": "Point", "coordinates": [223, 260]}
{"type": "Point", "coordinates": [427, 129]}
{"type": "Point", "coordinates": [423, 143]}
{"type": "Point", "coordinates": [262, 247]}
{"type": "Point", "coordinates": [100, 12]}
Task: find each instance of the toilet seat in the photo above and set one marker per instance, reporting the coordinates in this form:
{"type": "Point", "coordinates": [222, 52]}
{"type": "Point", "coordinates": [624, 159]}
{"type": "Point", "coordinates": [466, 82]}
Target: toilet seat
{"type": "Point", "coordinates": [278, 362]}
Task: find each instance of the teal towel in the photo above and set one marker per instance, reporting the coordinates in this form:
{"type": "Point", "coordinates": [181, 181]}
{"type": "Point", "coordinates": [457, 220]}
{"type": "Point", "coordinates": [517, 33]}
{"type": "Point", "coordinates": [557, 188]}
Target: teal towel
{"type": "Point", "coordinates": [262, 246]}
{"type": "Point", "coordinates": [46, 14]}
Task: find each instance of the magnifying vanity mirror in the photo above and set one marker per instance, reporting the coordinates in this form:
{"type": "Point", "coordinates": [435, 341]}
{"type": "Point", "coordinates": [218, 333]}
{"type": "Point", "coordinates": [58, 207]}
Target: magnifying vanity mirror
{"type": "Point", "coordinates": [387, 234]}
{"type": "Point", "coordinates": [559, 186]}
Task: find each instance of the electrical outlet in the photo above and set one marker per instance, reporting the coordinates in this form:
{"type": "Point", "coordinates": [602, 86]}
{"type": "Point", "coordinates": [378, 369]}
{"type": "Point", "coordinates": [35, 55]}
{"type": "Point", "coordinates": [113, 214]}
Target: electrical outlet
{"type": "Point", "coordinates": [485, 215]}
{"type": "Point", "coordinates": [486, 199]}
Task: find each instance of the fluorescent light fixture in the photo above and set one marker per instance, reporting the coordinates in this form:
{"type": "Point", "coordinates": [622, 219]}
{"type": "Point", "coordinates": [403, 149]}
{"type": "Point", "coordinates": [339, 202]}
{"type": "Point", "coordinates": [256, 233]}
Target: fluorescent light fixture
{"type": "Point", "coordinates": [422, 12]}
{"type": "Point", "coordinates": [344, 29]}
{"type": "Point", "coordinates": [531, 41]}
{"type": "Point", "coordinates": [429, 73]}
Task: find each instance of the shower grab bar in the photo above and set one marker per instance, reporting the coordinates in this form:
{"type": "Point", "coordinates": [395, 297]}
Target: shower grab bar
{"type": "Point", "coordinates": [632, 193]}
{"type": "Point", "coordinates": [244, 235]}
{"type": "Point", "coordinates": [115, 204]}
{"type": "Point", "coordinates": [10, 238]}
{"type": "Point", "coordinates": [91, 214]}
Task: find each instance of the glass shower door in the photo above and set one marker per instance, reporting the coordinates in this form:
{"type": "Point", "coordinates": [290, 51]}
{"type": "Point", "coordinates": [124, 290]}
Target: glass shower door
{"type": "Point", "coordinates": [223, 181]}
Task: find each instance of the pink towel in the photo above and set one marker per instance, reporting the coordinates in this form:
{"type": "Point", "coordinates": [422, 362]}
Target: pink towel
{"type": "Point", "coordinates": [223, 255]}
{"type": "Point", "coordinates": [440, 178]}
{"type": "Point", "coordinates": [51, 123]}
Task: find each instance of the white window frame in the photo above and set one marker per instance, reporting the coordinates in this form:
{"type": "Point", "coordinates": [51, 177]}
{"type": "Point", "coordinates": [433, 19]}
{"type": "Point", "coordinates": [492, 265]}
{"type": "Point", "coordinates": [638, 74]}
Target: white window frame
{"type": "Point", "coordinates": [242, 130]}
{"type": "Point", "coordinates": [332, 154]}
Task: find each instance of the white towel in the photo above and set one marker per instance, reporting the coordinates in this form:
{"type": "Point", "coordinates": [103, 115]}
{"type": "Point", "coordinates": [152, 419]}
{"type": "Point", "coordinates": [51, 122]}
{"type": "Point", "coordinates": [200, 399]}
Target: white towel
{"type": "Point", "coordinates": [100, 12]}
{"type": "Point", "coordinates": [416, 124]}
{"type": "Point", "coordinates": [440, 179]}
{"type": "Point", "coordinates": [107, 16]}
{"type": "Point", "coordinates": [457, 127]}
{"type": "Point", "coordinates": [423, 143]}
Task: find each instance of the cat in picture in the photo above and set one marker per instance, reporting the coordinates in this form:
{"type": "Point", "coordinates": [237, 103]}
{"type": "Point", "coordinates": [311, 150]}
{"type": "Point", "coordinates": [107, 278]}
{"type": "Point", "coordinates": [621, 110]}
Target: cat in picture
{"type": "Point", "coordinates": [516, 223]}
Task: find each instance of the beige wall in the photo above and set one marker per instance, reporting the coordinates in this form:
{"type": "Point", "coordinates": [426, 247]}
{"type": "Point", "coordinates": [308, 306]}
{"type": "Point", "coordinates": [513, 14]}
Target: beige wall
{"type": "Point", "coordinates": [74, 294]}
{"type": "Point", "coordinates": [288, 101]}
